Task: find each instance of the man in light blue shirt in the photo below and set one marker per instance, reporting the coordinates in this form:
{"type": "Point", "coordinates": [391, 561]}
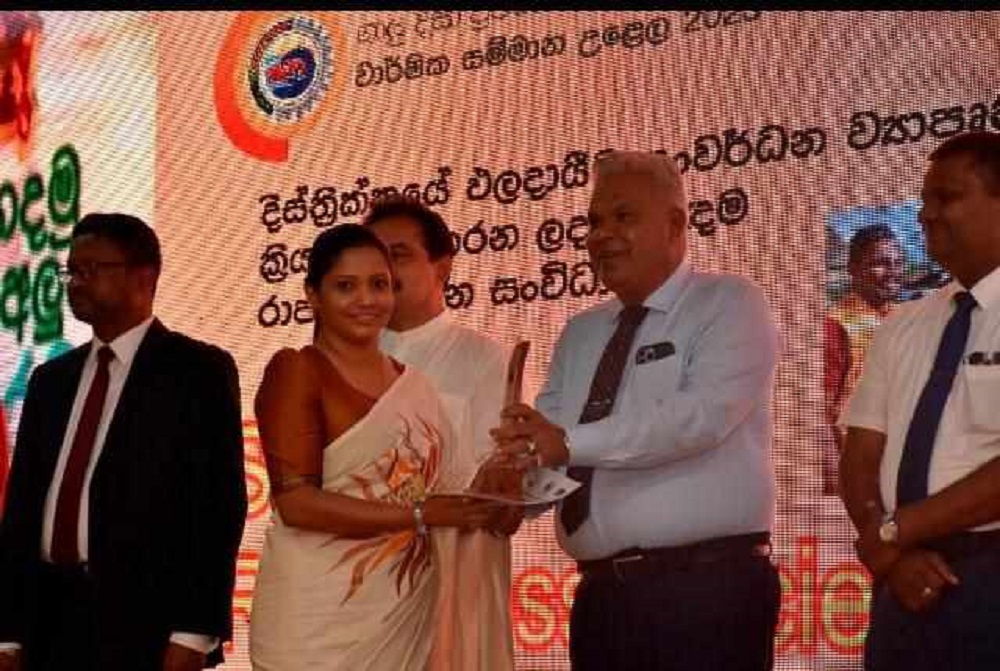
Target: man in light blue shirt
{"type": "Point", "coordinates": [659, 402]}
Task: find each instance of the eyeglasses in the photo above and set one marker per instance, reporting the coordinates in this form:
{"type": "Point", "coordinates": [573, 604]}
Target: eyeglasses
{"type": "Point", "coordinates": [86, 271]}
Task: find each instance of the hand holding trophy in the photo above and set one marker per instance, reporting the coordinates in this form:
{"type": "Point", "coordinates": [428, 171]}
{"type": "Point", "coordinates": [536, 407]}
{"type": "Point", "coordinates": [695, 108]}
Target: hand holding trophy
{"type": "Point", "coordinates": [498, 475]}
{"type": "Point", "coordinates": [500, 478]}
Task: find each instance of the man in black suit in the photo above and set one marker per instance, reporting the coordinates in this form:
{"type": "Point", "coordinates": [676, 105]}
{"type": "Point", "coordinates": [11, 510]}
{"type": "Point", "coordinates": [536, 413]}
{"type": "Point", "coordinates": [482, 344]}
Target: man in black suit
{"type": "Point", "coordinates": [126, 500]}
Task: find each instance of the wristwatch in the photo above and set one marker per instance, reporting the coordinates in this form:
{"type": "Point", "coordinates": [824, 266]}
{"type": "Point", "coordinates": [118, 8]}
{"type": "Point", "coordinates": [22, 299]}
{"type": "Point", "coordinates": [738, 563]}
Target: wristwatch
{"type": "Point", "coordinates": [566, 445]}
{"type": "Point", "coordinates": [888, 531]}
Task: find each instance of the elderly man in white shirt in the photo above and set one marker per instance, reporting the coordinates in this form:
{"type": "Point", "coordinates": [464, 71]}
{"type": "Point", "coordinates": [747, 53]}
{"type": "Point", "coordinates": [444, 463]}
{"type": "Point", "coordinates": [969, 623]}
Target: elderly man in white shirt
{"type": "Point", "coordinates": [659, 402]}
{"type": "Point", "coordinates": [920, 474]}
{"type": "Point", "coordinates": [468, 370]}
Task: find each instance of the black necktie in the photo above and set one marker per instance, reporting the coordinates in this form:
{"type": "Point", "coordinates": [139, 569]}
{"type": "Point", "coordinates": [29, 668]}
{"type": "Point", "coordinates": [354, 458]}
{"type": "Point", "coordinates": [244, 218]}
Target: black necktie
{"type": "Point", "coordinates": [911, 483]}
{"type": "Point", "coordinates": [603, 389]}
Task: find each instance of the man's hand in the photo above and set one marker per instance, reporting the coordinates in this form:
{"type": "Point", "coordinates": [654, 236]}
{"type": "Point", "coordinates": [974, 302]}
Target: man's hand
{"type": "Point", "coordinates": [10, 660]}
{"type": "Point", "coordinates": [181, 658]}
{"type": "Point", "coordinates": [529, 438]}
{"type": "Point", "coordinates": [463, 513]}
{"type": "Point", "coordinates": [873, 553]}
{"type": "Point", "coordinates": [918, 578]}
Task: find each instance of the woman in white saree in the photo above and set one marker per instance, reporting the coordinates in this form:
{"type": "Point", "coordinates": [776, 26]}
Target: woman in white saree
{"type": "Point", "coordinates": [354, 443]}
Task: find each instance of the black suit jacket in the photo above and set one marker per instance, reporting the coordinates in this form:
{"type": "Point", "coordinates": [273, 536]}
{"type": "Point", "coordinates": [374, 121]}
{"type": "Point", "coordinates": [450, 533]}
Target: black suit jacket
{"type": "Point", "coordinates": [167, 497]}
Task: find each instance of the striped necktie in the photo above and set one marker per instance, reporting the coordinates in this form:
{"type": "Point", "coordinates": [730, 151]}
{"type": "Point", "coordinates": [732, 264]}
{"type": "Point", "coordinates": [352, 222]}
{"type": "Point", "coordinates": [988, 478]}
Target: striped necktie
{"type": "Point", "coordinates": [600, 401]}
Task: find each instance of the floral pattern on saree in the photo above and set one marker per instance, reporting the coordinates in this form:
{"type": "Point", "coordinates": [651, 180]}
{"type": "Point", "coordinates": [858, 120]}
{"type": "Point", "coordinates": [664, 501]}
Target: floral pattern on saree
{"type": "Point", "coordinates": [400, 476]}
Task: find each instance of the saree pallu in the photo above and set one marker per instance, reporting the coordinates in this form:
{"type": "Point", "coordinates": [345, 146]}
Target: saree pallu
{"type": "Point", "coordinates": [323, 602]}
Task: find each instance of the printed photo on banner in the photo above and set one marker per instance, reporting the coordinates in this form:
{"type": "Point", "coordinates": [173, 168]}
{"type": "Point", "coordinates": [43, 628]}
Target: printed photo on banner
{"type": "Point", "coordinates": [875, 260]}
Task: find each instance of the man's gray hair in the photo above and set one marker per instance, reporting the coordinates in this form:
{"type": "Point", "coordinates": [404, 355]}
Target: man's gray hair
{"type": "Point", "coordinates": [660, 167]}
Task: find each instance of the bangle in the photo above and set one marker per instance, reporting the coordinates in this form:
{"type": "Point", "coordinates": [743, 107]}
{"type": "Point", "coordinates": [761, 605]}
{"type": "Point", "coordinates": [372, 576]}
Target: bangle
{"type": "Point", "coordinates": [418, 517]}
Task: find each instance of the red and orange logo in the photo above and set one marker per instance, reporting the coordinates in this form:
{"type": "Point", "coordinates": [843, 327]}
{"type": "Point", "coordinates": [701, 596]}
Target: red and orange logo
{"type": "Point", "coordinates": [276, 73]}
{"type": "Point", "coordinates": [20, 34]}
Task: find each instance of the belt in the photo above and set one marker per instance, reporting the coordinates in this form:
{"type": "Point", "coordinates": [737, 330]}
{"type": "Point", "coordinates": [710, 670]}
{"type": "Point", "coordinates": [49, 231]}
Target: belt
{"type": "Point", "coordinates": [641, 560]}
{"type": "Point", "coordinates": [967, 544]}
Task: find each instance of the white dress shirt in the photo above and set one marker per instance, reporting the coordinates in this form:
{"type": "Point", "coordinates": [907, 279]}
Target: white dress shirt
{"type": "Point", "coordinates": [684, 455]}
{"type": "Point", "coordinates": [469, 372]}
{"type": "Point", "coordinates": [124, 348]}
{"type": "Point", "coordinates": [896, 369]}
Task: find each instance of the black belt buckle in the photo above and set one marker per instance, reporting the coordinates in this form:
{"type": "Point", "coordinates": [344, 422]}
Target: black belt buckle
{"type": "Point", "coordinates": [618, 562]}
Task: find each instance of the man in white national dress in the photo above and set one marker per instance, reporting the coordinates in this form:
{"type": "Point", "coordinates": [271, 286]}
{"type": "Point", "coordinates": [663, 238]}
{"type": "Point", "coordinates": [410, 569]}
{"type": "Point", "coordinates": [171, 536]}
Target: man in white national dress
{"type": "Point", "coordinates": [468, 370]}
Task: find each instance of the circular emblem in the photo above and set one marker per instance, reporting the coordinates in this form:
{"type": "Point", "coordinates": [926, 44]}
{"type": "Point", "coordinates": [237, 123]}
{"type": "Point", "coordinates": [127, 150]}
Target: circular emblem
{"type": "Point", "coordinates": [290, 69]}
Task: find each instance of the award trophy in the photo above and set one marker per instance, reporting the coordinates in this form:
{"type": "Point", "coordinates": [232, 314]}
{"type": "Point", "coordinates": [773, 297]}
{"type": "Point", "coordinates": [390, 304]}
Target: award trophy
{"type": "Point", "coordinates": [498, 479]}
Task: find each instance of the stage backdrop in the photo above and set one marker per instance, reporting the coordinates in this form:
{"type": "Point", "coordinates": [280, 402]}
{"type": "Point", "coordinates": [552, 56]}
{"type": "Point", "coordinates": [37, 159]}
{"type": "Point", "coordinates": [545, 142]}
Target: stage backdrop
{"type": "Point", "coordinates": [240, 136]}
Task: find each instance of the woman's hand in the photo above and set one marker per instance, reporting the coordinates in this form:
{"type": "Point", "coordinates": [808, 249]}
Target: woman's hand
{"type": "Point", "coordinates": [457, 511]}
{"type": "Point", "coordinates": [498, 475]}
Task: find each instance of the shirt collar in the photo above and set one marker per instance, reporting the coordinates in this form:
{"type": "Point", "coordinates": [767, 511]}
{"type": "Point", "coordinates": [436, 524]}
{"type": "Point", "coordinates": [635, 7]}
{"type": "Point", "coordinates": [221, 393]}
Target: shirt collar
{"type": "Point", "coordinates": [853, 302]}
{"type": "Point", "coordinates": [667, 293]}
{"type": "Point", "coordinates": [126, 345]}
{"type": "Point", "coordinates": [987, 290]}
{"type": "Point", "coordinates": [426, 331]}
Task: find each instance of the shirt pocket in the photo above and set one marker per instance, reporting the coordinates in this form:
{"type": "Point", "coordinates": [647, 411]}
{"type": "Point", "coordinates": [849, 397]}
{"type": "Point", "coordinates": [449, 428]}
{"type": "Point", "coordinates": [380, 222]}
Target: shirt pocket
{"type": "Point", "coordinates": [982, 390]}
{"type": "Point", "coordinates": [653, 382]}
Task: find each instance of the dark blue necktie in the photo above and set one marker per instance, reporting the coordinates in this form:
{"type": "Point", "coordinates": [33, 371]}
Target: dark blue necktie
{"type": "Point", "coordinates": [911, 484]}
